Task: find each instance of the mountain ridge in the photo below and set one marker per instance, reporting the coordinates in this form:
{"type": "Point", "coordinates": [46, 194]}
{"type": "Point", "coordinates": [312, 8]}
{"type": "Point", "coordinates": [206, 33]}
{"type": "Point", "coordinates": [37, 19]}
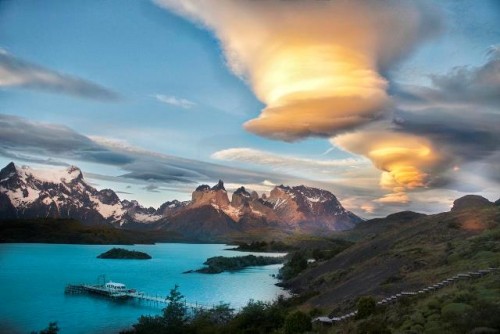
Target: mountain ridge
{"type": "Point", "coordinates": [28, 193]}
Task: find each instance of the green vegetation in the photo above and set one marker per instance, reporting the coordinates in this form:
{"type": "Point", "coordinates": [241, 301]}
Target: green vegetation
{"type": "Point", "coordinates": [468, 307]}
{"type": "Point", "coordinates": [294, 266]}
{"type": "Point", "coordinates": [51, 329]}
{"type": "Point", "coordinates": [297, 322]}
{"type": "Point", "coordinates": [256, 317]}
{"type": "Point", "coordinates": [263, 246]}
{"type": "Point", "coordinates": [366, 307]}
{"type": "Point", "coordinates": [219, 264]}
{"type": "Point", "coordinates": [69, 231]}
{"type": "Point", "coordinates": [124, 254]}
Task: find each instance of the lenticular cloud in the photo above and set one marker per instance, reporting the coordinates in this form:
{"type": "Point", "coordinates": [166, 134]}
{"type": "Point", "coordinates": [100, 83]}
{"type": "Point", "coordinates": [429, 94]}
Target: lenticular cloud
{"type": "Point", "coordinates": [316, 65]}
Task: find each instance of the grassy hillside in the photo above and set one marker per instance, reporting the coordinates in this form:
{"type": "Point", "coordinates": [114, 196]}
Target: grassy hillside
{"type": "Point", "coordinates": [403, 252]}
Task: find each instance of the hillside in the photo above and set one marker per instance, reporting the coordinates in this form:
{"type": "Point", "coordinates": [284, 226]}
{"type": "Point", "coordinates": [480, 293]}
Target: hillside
{"type": "Point", "coordinates": [404, 251]}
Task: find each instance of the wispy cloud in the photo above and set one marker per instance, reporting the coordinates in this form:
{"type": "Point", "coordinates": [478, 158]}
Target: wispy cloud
{"type": "Point", "coordinates": [16, 72]}
{"type": "Point", "coordinates": [290, 164]}
{"type": "Point", "coordinates": [175, 101]}
{"type": "Point", "coordinates": [20, 138]}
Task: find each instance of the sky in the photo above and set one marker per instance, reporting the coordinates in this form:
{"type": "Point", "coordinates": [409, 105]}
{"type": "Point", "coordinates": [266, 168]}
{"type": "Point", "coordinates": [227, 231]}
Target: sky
{"type": "Point", "coordinates": [391, 105]}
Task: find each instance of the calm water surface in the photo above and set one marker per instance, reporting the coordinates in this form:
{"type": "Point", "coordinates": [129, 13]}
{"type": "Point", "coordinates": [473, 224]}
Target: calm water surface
{"type": "Point", "coordinates": [33, 277]}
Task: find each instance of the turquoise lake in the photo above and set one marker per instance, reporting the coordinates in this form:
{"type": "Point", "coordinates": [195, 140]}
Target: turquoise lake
{"type": "Point", "coordinates": [33, 278]}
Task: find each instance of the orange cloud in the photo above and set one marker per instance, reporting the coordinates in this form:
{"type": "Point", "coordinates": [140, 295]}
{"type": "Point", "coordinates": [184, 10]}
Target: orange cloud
{"type": "Point", "coordinates": [404, 159]}
{"type": "Point", "coordinates": [315, 64]}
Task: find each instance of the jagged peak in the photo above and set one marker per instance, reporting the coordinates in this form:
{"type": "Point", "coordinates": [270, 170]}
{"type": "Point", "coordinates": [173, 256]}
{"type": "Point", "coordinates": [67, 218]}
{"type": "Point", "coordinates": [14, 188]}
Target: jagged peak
{"type": "Point", "coordinates": [75, 172]}
{"type": "Point", "coordinates": [219, 186]}
{"type": "Point", "coordinates": [8, 171]}
{"type": "Point", "coordinates": [203, 187]}
{"type": "Point", "coordinates": [242, 191]}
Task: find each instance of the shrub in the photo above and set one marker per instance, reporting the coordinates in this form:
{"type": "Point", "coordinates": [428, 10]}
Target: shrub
{"type": "Point", "coordinates": [366, 307]}
{"type": "Point", "coordinates": [297, 322]}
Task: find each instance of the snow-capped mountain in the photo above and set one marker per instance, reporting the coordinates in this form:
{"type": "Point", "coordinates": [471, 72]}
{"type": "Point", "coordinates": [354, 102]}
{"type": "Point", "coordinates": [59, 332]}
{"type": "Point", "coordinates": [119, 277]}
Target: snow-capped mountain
{"type": "Point", "coordinates": [29, 193]}
{"type": "Point", "coordinates": [307, 208]}
{"type": "Point", "coordinates": [55, 193]}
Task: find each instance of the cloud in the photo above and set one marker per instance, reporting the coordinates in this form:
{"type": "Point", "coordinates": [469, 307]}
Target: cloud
{"type": "Point", "coordinates": [20, 138]}
{"type": "Point", "coordinates": [442, 136]}
{"type": "Point", "coordinates": [154, 188]}
{"type": "Point", "coordinates": [319, 73]}
{"type": "Point", "coordinates": [403, 159]}
{"type": "Point", "coordinates": [462, 87]}
{"type": "Point", "coordinates": [287, 163]}
{"type": "Point", "coordinates": [175, 101]}
{"type": "Point", "coordinates": [15, 72]}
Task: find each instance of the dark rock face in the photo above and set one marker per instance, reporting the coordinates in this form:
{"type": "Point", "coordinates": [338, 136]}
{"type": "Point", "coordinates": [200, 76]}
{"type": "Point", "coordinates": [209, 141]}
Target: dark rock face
{"type": "Point", "coordinates": [470, 201]}
{"type": "Point", "coordinates": [219, 186]}
{"type": "Point", "coordinates": [240, 197]}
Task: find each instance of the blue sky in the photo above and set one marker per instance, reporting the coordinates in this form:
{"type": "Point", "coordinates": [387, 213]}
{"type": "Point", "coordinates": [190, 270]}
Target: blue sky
{"type": "Point", "coordinates": [165, 87]}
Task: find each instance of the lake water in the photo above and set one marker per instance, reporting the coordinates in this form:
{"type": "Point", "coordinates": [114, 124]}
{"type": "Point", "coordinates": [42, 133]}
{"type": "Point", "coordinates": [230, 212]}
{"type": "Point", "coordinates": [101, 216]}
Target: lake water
{"type": "Point", "coordinates": [33, 278]}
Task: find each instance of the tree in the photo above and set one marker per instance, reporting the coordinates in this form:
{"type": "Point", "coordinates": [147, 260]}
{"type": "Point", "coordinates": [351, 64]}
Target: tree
{"type": "Point", "coordinates": [51, 329]}
{"type": "Point", "coordinates": [211, 320]}
{"type": "Point", "coordinates": [175, 314]}
{"type": "Point", "coordinates": [366, 307]}
{"type": "Point", "coordinates": [172, 321]}
{"type": "Point", "coordinates": [297, 322]}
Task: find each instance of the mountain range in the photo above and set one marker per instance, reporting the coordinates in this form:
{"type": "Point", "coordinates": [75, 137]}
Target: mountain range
{"type": "Point", "coordinates": [26, 193]}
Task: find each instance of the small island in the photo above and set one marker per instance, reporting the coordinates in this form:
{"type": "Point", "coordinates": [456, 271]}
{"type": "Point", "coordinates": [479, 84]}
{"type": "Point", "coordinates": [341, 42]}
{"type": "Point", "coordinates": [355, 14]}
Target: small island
{"type": "Point", "coordinates": [123, 254]}
{"type": "Point", "coordinates": [219, 264]}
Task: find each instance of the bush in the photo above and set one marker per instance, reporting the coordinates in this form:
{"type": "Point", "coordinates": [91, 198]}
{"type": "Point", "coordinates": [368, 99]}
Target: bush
{"type": "Point", "coordinates": [366, 307]}
{"type": "Point", "coordinates": [173, 320]}
{"type": "Point", "coordinates": [258, 317]}
{"type": "Point", "coordinates": [297, 322]}
{"type": "Point", "coordinates": [374, 325]}
{"type": "Point", "coordinates": [294, 266]}
{"type": "Point", "coordinates": [51, 329]}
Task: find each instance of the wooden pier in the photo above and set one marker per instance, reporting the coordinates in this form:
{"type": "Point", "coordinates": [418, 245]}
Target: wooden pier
{"type": "Point", "coordinates": [102, 290]}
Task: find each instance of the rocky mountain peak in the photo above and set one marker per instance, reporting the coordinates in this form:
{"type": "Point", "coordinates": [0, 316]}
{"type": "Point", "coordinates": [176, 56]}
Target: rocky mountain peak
{"type": "Point", "coordinates": [203, 187]}
{"type": "Point", "coordinates": [242, 191]}
{"type": "Point", "coordinates": [75, 173]}
{"type": "Point", "coordinates": [240, 197]}
{"type": "Point", "coordinates": [108, 196]}
{"type": "Point", "coordinates": [215, 196]}
{"type": "Point", "coordinates": [219, 186]}
{"type": "Point", "coordinates": [10, 168]}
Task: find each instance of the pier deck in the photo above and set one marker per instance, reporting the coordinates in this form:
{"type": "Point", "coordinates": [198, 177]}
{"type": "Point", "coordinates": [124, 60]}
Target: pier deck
{"type": "Point", "coordinates": [120, 295]}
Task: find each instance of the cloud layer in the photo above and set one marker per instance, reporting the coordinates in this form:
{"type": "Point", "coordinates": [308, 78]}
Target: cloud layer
{"type": "Point", "coordinates": [319, 73]}
{"type": "Point", "coordinates": [15, 72]}
{"type": "Point", "coordinates": [22, 139]}
{"type": "Point", "coordinates": [320, 169]}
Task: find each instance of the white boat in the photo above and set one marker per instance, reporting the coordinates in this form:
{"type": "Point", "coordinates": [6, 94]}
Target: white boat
{"type": "Point", "coordinates": [115, 287]}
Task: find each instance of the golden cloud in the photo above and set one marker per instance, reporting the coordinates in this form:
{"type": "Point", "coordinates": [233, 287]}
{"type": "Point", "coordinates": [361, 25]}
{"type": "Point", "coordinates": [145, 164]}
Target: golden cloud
{"type": "Point", "coordinates": [405, 160]}
{"type": "Point", "coordinates": [315, 64]}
